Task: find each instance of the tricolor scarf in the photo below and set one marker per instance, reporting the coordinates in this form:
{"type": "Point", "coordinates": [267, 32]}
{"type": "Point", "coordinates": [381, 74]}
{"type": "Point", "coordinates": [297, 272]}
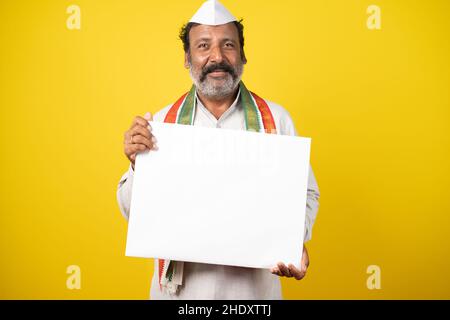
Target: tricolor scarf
{"type": "Point", "coordinates": [257, 118]}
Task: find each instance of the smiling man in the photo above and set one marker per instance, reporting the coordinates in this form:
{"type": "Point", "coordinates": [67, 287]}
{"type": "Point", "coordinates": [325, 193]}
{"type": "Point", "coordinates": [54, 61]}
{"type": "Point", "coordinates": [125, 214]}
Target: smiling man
{"type": "Point", "coordinates": [213, 43]}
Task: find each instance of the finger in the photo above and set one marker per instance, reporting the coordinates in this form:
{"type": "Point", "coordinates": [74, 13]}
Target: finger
{"type": "Point", "coordinates": [276, 271]}
{"type": "Point", "coordinates": [139, 139]}
{"type": "Point", "coordinates": [154, 141]}
{"type": "Point", "coordinates": [138, 147]}
{"type": "Point", "coordinates": [297, 273]}
{"type": "Point", "coordinates": [148, 126]}
{"type": "Point", "coordinates": [148, 116]}
{"type": "Point", "coordinates": [130, 139]}
{"type": "Point", "coordinates": [284, 270]}
{"type": "Point", "coordinates": [139, 121]}
{"type": "Point", "coordinates": [127, 137]}
{"type": "Point", "coordinates": [134, 148]}
{"type": "Point", "coordinates": [130, 150]}
{"type": "Point", "coordinates": [138, 130]}
{"type": "Point", "coordinates": [138, 126]}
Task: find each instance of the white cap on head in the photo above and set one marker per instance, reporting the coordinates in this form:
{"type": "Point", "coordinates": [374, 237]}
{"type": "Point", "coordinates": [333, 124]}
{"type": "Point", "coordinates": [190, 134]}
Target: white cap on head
{"type": "Point", "coordinates": [212, 13]}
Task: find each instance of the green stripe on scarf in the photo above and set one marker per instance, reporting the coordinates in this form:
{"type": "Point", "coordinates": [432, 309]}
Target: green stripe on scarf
{"type": "Point", "coordinates": [187, 109]}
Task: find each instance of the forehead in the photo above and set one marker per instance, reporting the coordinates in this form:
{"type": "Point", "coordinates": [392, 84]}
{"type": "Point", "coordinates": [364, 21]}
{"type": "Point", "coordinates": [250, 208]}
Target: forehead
{"type": "Point", "coordinates": [228, 30]}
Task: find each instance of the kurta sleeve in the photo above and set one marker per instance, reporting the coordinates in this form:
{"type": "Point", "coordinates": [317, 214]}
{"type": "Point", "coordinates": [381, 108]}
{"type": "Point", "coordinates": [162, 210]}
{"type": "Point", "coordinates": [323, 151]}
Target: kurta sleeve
{"type": "Point", "coordinates": [124, 192]}
{"type": "Point", "coordinates": [312, 205]}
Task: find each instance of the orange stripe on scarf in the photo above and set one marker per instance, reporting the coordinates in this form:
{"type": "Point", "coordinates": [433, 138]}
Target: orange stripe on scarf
{"type": "Point", "coordinates": [266, 114]}
{"type": "Point", "coordinates": [171, 116]}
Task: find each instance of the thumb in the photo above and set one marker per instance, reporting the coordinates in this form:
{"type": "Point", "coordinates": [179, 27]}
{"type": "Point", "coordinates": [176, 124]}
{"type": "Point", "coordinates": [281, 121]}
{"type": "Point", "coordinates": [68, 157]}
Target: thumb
{"type": "Point", "coordinates": [148, 116]}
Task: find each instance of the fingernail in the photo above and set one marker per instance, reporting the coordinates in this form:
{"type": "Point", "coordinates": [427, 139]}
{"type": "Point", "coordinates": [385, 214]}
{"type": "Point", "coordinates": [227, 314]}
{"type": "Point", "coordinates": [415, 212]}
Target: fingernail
{"type": "Point", "coordinates": [147, 116]}
{"type": "Point", "coordinates": [154, 139]}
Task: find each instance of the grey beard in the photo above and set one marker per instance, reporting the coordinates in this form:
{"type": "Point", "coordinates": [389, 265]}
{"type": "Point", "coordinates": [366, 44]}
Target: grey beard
{"type": "Point", "coordinates": [210, 91]}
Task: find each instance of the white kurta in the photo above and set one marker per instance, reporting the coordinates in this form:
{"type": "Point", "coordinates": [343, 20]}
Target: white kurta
{"type": "Point", "coordinates": [208, 281]}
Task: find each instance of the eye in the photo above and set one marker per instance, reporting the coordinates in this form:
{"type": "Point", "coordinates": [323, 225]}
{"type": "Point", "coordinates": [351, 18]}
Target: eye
{"type": "Point", "coordinates": [229, 44]}
{"type": "Point", "coordinates": [202, 45]}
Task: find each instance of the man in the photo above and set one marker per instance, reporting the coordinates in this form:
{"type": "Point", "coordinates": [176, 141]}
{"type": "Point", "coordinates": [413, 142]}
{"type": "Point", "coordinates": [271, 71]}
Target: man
{"type": "Point", "coordinates": [214, 54]}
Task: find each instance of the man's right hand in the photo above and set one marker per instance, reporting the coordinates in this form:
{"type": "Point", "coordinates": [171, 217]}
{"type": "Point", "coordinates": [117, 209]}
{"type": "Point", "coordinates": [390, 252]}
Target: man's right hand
{"type": "Point", "coordinates": [139, 138]}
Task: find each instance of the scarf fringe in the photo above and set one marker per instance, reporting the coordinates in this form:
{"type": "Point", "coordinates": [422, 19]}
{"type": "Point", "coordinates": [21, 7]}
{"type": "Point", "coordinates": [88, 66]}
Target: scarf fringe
{"type": "Point", "coordinates": [171, 285]}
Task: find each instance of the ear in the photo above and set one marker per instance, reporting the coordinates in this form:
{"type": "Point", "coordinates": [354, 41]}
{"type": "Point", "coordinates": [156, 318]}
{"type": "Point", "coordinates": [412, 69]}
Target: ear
{"type": "Point", "coordinates": [186, 60]}
{"type": "Point", "coordinates": [243, 57]}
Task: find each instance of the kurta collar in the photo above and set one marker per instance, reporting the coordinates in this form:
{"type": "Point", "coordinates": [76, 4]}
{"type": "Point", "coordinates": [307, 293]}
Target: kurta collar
{"type": "Point", "coordinates": [229, 111]}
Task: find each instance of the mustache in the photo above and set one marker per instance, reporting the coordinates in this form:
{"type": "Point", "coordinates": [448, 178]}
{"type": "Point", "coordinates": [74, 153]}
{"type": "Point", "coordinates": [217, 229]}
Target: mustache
{"type": "Point", "coordinates": [222, 66]}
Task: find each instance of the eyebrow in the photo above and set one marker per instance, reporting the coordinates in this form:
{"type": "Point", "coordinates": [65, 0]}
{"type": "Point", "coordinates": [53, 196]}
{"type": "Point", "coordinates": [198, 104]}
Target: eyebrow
{"type": "Point", "coordinates": [202, 39]}
{"type": "Point", "coordinates": [229, 39]}
{"type": "Point", "coordinates": [209, 39]}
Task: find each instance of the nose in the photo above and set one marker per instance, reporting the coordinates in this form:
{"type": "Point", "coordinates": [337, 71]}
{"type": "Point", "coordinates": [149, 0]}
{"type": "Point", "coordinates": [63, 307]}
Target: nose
{"type": "Point", "coordinates": [216, 55]}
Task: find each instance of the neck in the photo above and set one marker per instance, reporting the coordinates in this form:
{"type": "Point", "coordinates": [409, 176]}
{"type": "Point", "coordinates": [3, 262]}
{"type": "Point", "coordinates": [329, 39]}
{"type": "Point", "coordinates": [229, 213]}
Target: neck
{"type": "Point", "coordinates": [218, 106]}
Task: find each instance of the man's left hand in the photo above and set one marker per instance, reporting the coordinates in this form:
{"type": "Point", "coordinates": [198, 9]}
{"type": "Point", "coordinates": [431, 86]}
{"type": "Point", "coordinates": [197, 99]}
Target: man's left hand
{"type": "Point", "coordinates": [290, 270]}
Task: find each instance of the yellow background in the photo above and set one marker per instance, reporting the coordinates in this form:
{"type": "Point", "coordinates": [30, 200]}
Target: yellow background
{"type": "Point", "coordinates": [375, 102]}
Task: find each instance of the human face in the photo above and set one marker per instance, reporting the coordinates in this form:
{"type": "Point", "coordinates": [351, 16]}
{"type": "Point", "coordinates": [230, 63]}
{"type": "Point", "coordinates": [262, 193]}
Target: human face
{"type": "Point", "coordinates": [215, 59]}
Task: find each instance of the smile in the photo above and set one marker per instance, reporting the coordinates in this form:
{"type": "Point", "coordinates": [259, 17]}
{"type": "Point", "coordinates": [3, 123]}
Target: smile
{"type": "Point", "coordinates": [218, 73]}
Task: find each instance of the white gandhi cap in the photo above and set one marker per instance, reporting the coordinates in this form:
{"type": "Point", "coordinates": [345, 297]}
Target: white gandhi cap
{"type": "Point", "coordinates": [212, 13]}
